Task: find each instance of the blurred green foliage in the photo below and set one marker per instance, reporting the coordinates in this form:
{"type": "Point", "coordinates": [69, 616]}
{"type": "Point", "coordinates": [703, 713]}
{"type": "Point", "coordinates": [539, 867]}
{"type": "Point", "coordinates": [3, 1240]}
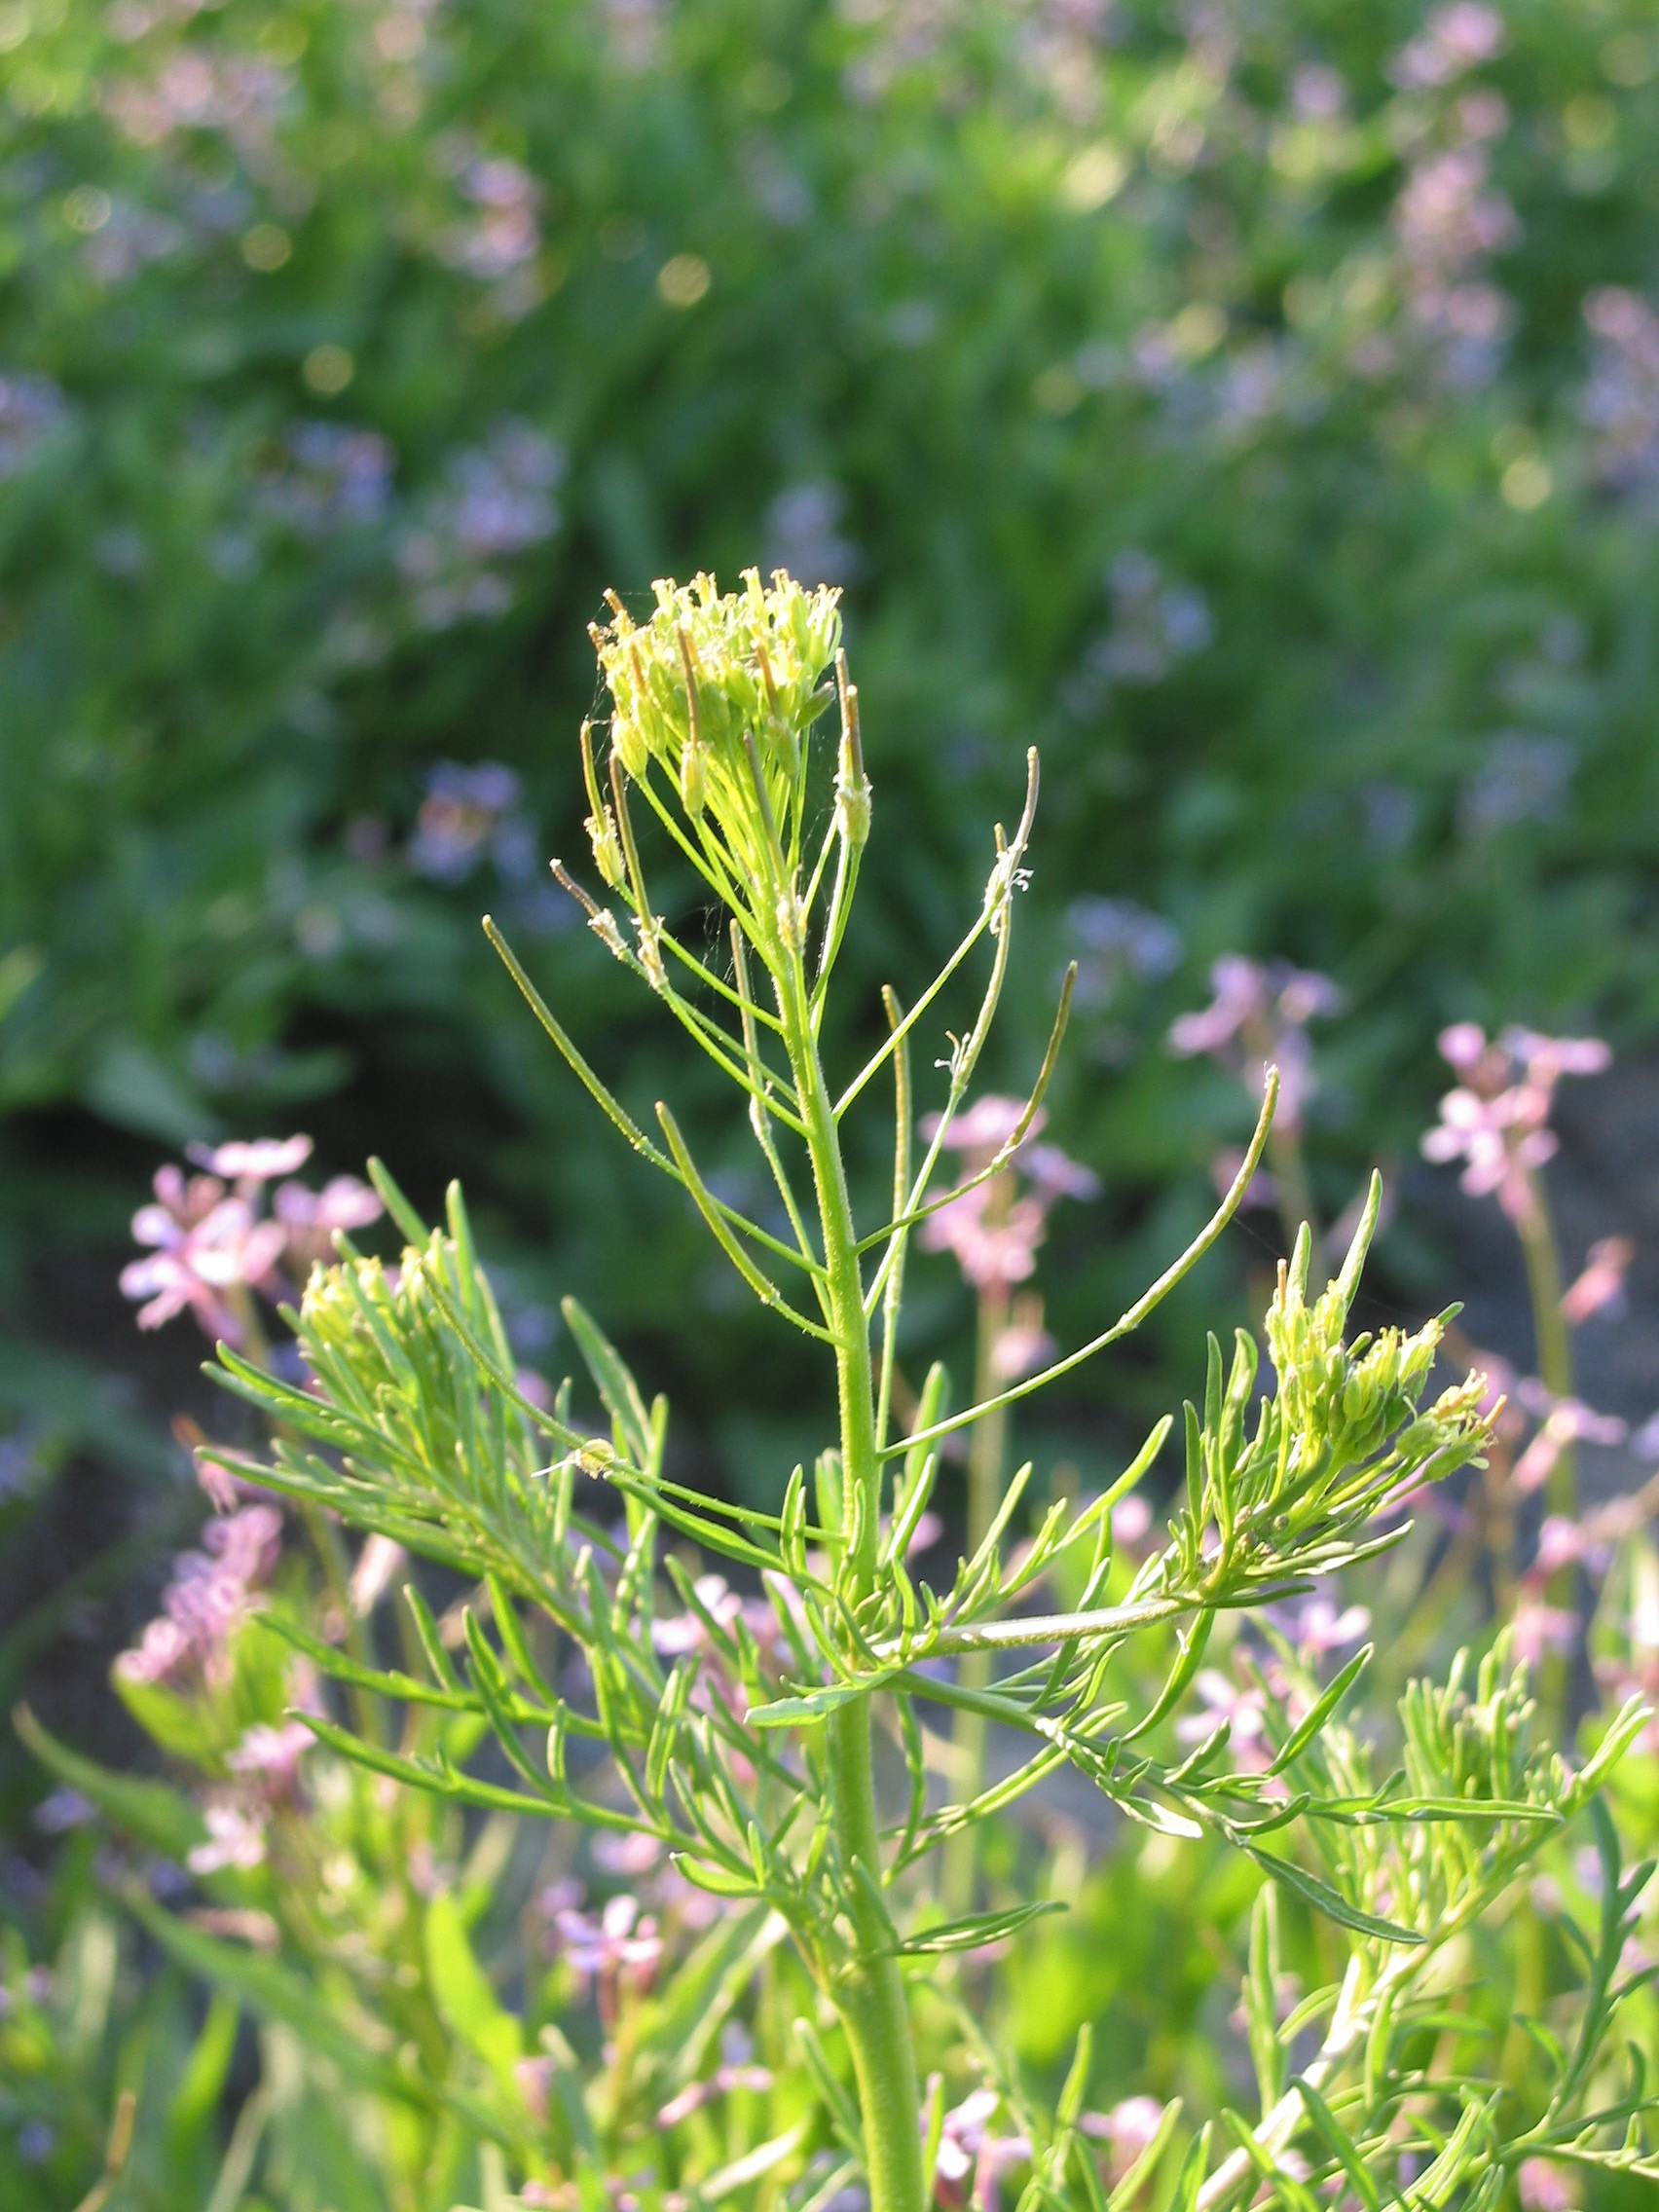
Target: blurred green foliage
{"type": "Point", "coordinates": [1257, 411]}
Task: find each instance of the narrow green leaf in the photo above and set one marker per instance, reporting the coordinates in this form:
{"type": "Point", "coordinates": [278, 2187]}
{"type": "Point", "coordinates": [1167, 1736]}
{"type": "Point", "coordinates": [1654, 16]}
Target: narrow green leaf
{"type": "Point", "coordinates": [981, 1928]}
{"type": "Point", "coordinates": [1313, 1720]}
{"type": "Point", "coordinates": [1339, 2143]}
{"type": "Point", "coordinates": [151, 1812]}
{"type": "Point", "coordinates": [1324, 1898]}
{"type": "Point", "coordinates": [614, 1384]}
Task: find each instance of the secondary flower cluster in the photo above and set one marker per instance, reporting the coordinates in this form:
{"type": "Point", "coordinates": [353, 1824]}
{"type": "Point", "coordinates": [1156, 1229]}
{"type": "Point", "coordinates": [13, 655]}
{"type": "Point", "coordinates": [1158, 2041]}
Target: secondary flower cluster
{"type": "Point", "coordinates": [212, 1244]}
{"type": "Point", "coordinates": [1497, 1119]}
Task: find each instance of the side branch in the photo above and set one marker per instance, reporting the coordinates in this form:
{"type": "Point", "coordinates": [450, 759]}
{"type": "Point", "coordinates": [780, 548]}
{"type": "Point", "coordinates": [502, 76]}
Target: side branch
{"type": "Point", "coordinates": [998, 893]}
{"type": "Point", "coordinates": [1131, 1320]}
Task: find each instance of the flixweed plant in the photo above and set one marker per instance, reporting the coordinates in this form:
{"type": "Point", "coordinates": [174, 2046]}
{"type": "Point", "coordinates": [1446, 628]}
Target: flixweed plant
{"type": "Point", "coordinates": [791, 1752]}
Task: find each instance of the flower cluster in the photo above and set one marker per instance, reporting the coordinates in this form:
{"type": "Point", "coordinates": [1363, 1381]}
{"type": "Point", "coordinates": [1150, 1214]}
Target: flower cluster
{"type": "Point", "coordinates": [1620, 401]}
{"type": "Point", "coordinates": [211, 1246]}
{"type": "Point", "coordinates": [707, 676]}
{"type": "Point", "coordinates": [1497, 1119]}
{"type": "Point", "coordinates": [1155, 623]}
{"type": "Point", "coordinates": [1345, 1400]}
{"type": "Point", "coordinates": [331, 476]}
{"type": "Point", "coordinates": [1448, 219]}
{"type": "Point", "coordinates": [211, 1593]}
{"type": "Point", "coordinates": [1259, 1018]}
{"type": "Point", "coordinates": [469, 815]}
{"type": "Point", "coordinates": [495, 502]}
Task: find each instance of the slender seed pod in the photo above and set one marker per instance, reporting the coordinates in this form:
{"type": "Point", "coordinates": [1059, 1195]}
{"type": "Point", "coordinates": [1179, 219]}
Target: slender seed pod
{"type": "Point", "coordinates": [629, 742]}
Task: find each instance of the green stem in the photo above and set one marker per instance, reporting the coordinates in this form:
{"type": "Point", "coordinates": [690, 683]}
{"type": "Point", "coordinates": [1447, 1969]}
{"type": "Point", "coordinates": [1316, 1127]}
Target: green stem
{"type": "Point", "coordinates": [987, 1462]}
{"type": "Point", "coordinates": [1549, 1325]}
{"type": "Point", "coordinates": [868, 1990]}
{"type": "Point", "coordinates": [1554, 1371]}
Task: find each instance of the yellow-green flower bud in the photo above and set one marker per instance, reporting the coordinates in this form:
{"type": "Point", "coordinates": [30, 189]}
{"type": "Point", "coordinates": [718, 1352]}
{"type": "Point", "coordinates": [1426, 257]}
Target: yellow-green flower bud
{"type": "Point", "coordinates": [631, 746]}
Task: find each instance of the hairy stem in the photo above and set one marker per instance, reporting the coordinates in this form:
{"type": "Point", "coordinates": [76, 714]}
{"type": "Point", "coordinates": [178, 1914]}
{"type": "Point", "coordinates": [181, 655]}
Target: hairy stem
{"type": "Point", "coordinates": [870, 1990]}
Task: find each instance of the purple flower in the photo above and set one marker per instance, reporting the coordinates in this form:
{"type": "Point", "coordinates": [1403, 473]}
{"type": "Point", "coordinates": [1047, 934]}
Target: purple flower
{"type": "Point", "coordinates": [467, 816]}
{"type": "Point", "coordinates": [1259, 1017]}
{"type": "Point", "coordinates": [211, 1593]}
{"type": "Point", "coordinates": [1621, 399]}
{"type": "Point", "coordinates": [64, 1810]}
{"type": "Point", "coordinates": [617, 1951]}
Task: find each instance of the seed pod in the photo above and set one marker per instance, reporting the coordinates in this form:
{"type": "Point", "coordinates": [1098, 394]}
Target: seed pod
{"type": "Point", "coordinates": [629, 741]}
{"type": "Point", "coordinates": [693, 778]}
{"type": "Point", "coordinates": [606, 848]}
{"type": "Point", "coordinates": [854, 800]}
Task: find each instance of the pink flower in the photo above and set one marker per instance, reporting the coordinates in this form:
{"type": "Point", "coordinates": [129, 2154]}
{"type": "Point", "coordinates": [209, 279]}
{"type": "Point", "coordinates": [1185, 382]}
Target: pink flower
{"type": "Point", "coordinates": [1600, 1288]}
{"type": "Point", "coordinates": [259, 1162]}
{"type": "Point", "coordinates": [1258, 1016]}
{"type": "Point", "coordinates": [968, 2148]}
{"type": "Point", "coordinates": [310, 1217]}
{"type": "Point", "coordinates": [1495, 1120]}
{"type": "Point", "coordinates": [1243, 1711]}
{"type": "Point", "coordinates": [272, 1756]}
{"type": "Point", "coordinates": [234, 1839]}
{"type": "Point", "coordinates": [1132, 1518]}
{"type": "Point", "coordinates": [1316, 1627]}
{"type": "Point", "coordinates": [1544, 2187]}
{"type": "Point", "coordinates": [1024, 1346]}
{"type": "Point", "coordinates": [1566, 1421]}
{"type": "Point", "coordinates": [205, 1244]}
{"type": "Point", "coordinates": [1129, 2127]}
{"type": "Point", "coordinates": [1454, 39]}
{"type": "Point", "coordinates": [726, 2080]}
{"type": "Point", "coordinates": [1541, 1627]}
{"type": "Point", "coordinates": [994, 1228]}
{"type": "Point", "coordinates": [211, 1593]}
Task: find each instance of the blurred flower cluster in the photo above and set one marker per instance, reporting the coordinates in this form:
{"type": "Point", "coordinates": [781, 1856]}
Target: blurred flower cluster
{"type": "Point", "coordinates": [994, 1227]}
{"type": "Point", "coordinates": [213, 1244]}
{"type": "Point", "coordinates": [1497, 1119]}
